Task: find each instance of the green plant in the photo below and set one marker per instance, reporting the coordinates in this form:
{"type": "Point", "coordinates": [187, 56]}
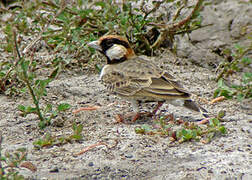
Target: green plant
{"type": "Point", "coordinates": [37, 89]}
{"type": "Point", "coordinates": [10, 162]}
{"type": "Point", "coordinates": [184, 131]}
{"type": "Point", "coordinates": [48, 140]}
{"type": "Point", "coordinates": [223, 90]}
{"type": "Point", "coordinates": [238, 63]}
{"type": "Point", "coordinates": [66, 28]}
{"type": "Point", "coordinates": [245, 89]}
{"type": "Point", "coordinates": [79, 22]}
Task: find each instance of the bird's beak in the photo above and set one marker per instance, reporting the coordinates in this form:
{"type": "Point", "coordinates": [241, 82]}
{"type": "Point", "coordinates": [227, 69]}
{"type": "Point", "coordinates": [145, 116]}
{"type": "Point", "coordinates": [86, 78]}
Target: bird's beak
{"type": "Point", "coordinates": [95, 45]}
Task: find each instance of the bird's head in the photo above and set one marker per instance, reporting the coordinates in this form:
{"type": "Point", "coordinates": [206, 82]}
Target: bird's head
{"type": "Point", "coordinates": [116, 48]}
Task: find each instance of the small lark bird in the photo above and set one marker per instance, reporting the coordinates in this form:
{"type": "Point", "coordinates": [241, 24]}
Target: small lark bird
{"type": "Point", "coordinates": [136, 79]}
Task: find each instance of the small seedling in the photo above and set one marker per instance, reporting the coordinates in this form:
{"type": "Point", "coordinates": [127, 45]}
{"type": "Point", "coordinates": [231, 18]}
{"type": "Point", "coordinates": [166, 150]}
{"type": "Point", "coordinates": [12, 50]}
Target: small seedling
{"type": "Point", "coordinates": [48, 140]}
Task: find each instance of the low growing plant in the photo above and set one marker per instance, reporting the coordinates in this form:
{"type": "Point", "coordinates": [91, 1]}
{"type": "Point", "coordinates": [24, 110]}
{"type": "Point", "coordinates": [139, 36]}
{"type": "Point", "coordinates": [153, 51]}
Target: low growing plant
{"type": "Point", "coordinates": [48, 140]}
{"type": "Point", "coordinates": [237, 64]}
{"type": "Point", "coordinates": [181, 131]}
{"type": "Point", "coordinates": [11, 162]}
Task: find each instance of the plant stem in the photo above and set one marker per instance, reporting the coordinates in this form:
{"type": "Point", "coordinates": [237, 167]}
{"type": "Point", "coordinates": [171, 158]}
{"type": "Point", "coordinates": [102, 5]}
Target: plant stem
{"type": "Point", "coordinates": [237, 58]}
{"type": "Point", "coordinates": [26, 80]}
{"type": "Point", "coordinates": [35, 100]}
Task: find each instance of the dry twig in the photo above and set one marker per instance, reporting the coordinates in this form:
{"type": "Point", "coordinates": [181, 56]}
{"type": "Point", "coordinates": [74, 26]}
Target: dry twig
{"type": "Point", "coordinates": [91, 108]}
{"type": "Point", "coordinates": [218, 99]}
{"type": "Point", "coordinates": [88, 148]}
{"type": "Point", "coordinates": [168, 30]}
{"type": "Point", "coordinates": [95, 145]}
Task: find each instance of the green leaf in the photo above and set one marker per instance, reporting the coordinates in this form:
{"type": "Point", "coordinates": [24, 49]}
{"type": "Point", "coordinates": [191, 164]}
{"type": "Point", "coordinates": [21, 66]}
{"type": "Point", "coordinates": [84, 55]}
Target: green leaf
{"type": "Point", "coordinates": [221, 83]}
{"type": "Point", "coordinates": [2, 158]}
{"type": "Point", "coordinates": [30, 109]}
{"type": "Point", "coordinates": [216, 93]}
{"type": "Point", "coordinates": [79, 129]}
{"type": "Point", "coordinates": [48, 108]}
{"type": "Point", "coordinates": [24, 90]}
{"type": "Point", "coordinates": [184, 132]}
{"type": "Point", "coordinates": [24, 65]}
{"type": "Point", "coordinates": [22, 108]}
{"type": "Point", "coordinates": [42, 124]}
{"type": "Point", "coordinates": [214, 122]}
{"type": "Point", "coordinates": [76, 137]}
{"type": "Point", "coordinates": [100, 3]}
{"type": "Point", "coordinates": [63, 107]}
{"type": "Point", "coordinates": [222, 129]}
{"type": "Point", "coordinates": [240, 96]}
{"type": "Point", "coordinates": [98, 68]}
{"type": "Point", "coordinates": [247, 77]}
{"type": "Point", "coordinates": [221, 114]}
{"type": "Point", "coordinates": [223, 90]}
{"type": "Point", "coordinates": [239, 48]}
{"type": "Point", "coordinates": [246, 60]}
{"type": "Point", "coordinates": [40, 88]}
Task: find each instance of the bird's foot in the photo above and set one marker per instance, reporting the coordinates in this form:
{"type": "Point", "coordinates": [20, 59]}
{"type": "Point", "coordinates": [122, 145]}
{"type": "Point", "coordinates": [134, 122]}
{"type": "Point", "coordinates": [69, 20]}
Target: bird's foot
{"type": "Point", "coordinates": [134, 116]}
{"type": "Point", "coordinates": [160, 103]}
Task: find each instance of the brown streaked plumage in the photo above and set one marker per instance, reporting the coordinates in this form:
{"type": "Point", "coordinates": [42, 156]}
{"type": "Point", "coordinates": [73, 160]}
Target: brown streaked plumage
{"type": "Point", "coordinates": [137, 79]}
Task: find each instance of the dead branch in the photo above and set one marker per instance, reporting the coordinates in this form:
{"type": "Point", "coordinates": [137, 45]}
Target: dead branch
{"type": "Point", "coordinates": [155, 8]}
{"type": "Point", "coordinates": [170, 29]}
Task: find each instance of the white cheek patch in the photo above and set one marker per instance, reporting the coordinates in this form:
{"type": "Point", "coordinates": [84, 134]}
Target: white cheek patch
{"type": "Point", "coordinates": [116, 52]}
{"type": "Point", "coordinates": [102, 72]}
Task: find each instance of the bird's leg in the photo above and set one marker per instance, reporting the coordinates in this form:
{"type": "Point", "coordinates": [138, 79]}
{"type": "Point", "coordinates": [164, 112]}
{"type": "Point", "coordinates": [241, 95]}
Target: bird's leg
{"type": "Point", "coordinates": [134, 115]}
{"type": "Point", "coordinates": [160, 103]}
{"type": "Point", "coordinates": [137, 114]}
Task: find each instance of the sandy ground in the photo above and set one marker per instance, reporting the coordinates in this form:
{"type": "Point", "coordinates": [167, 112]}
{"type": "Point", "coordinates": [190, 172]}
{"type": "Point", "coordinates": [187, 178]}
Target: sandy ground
{"type": "Point", "coordinates": [131, 155]}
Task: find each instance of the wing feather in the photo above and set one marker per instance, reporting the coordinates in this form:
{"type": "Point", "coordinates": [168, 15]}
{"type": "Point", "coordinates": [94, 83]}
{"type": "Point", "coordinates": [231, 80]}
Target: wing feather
{"type": "Point", "coordinates": [141, 78]}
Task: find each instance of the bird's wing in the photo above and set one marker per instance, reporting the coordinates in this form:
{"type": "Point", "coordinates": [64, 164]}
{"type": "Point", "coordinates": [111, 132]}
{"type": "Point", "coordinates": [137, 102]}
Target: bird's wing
{"type": "Point", "coordinates": [139, 77]}
{"type": "Point", "coordinates": [119, 82]}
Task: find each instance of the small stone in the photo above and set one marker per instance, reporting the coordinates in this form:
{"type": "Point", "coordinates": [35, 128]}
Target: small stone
{"type": "Point", "coordinates": [129, 156]}
{"type": "Point", "coordinates": [210, 171]}
{"type": "Point", "coordinates": [54, 170]}
{"type": "Point", "coordinates": [90, 164]}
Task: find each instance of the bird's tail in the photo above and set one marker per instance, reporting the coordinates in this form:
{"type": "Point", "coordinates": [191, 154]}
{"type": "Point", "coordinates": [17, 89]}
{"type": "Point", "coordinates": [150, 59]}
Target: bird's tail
{"type": "Point", "coordinates": [193, 106]}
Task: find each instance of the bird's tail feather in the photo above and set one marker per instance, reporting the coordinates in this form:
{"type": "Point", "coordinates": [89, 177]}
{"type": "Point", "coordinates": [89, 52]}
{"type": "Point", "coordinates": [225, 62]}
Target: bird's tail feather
{"type": "Point", "coordinates": [193, 106]}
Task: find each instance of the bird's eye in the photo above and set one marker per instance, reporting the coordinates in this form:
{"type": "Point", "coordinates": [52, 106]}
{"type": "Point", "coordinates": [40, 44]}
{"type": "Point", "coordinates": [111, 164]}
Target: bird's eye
{"type": "Point", "coordinates": [109, 43]}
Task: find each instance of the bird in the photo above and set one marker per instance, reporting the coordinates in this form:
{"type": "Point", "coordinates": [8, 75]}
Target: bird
{"type": "Point", "coordinates": [137, 79]}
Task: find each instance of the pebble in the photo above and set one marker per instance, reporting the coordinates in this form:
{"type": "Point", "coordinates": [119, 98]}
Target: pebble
{"type": "Point", "coordinates": [128, 156]}
{"type": "Point", "coordinates": [90, 164]}
{"type": "Point", "coordinates": [54, 170]}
